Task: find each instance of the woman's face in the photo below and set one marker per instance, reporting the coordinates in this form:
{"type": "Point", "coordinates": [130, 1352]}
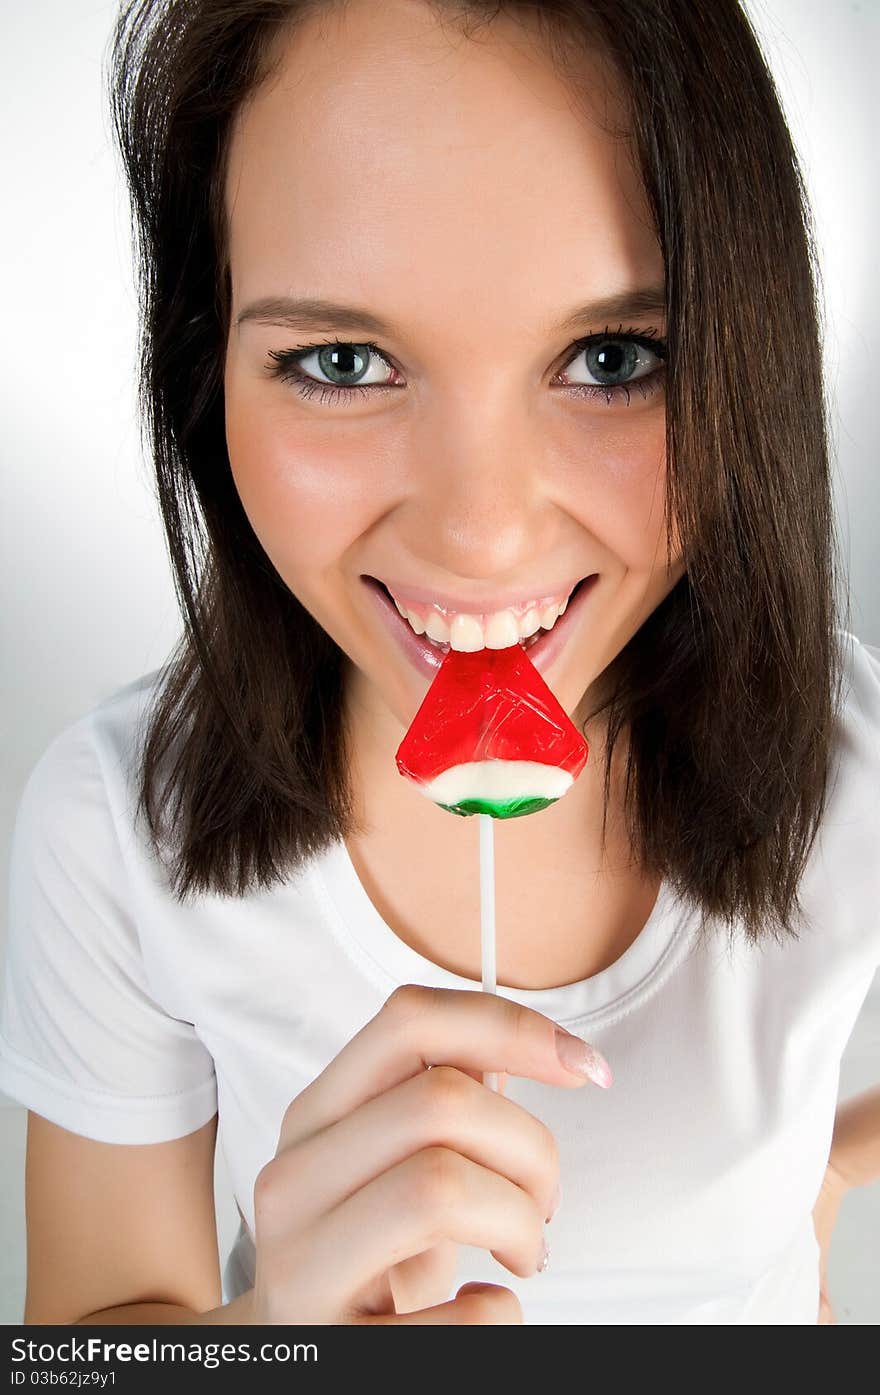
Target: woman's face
{"type": "Point", "coordinates": [449, 188]}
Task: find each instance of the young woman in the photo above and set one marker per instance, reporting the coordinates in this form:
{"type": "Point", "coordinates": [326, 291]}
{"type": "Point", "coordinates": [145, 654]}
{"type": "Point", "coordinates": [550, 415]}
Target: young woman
{"type": "Point", "coordinates": [461, 323]}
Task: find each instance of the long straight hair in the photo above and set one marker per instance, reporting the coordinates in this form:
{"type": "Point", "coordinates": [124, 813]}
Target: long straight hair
{"type": "Point", "coordinates": [729, 691]}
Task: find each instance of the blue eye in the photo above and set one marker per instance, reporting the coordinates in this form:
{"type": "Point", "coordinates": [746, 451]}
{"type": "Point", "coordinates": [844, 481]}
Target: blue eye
{"type": "Point", "coordinates": [608, 355]}
{"type": "Point", "coordinates": [348, 360]}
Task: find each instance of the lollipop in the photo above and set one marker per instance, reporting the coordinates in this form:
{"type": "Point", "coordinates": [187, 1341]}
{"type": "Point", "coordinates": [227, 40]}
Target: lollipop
{"type": "Point", "coordinates": [491, 739]}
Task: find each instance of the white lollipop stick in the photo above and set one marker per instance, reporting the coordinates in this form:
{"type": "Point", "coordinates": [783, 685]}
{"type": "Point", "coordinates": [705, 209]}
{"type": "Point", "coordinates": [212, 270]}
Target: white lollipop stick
{"type": "Point", "coordinates": [487, 918]}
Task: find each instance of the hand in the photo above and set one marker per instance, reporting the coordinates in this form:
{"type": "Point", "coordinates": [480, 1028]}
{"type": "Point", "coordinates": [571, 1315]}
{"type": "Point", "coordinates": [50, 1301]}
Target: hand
{"type": "Point", "coordinates": [831, 1193]}
{"type": "Point", "coordinates": [384, 1166]}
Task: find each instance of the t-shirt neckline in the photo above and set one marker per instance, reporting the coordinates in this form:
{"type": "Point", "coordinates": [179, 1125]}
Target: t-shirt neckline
{"type": "Point", "coordinates": [389, 961]}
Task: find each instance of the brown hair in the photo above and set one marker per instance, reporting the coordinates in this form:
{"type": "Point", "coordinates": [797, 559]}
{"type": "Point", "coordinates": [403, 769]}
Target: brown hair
{"type": "Point", "coordinates": [729, 690]}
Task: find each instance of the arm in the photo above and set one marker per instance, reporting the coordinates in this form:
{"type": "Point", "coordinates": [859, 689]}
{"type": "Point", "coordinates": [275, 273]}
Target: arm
{"type": "Point", "coordinates": [115, 1230]}
{"type": "Point", "coordinates": [236, 1312]}
{"type": "Point", "coordinates": [855, 1146]}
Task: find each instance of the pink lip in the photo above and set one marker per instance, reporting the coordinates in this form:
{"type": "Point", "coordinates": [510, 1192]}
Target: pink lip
{"type": "Point", "coordinates": [427, 658]}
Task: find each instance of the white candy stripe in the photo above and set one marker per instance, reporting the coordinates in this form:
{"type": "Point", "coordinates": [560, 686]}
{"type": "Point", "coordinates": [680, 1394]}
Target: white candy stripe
{"type": "Point", "coordinates": [498, 780]}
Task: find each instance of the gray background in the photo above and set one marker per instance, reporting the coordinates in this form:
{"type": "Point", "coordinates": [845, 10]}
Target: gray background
{"type": "Point", "coordinates": [88, 598]}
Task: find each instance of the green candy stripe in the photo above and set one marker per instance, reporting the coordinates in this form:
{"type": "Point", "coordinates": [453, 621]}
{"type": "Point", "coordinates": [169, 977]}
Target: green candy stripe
{"type": "Point", "coordinates": [498, 809]}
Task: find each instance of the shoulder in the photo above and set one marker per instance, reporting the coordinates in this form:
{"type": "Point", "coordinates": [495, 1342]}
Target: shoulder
{"type": "Point", "coordinates": [85, 776]}
{"type": "Point", "coordinates": [855, 757]}
{"type": "Point", "coordinates": [842, 878]}
{"type": "Point", "coordinates": [860, 711]}
{"type": "Point", "coordinates": [854, 786]}
{"type": "Point", "coordinates": [92, 1036]}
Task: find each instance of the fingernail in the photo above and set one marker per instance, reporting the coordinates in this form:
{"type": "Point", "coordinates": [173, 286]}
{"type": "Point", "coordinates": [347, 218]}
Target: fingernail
{"type": "Point", "coordinates": [581, 1058]}
{"type": "Point", "coordinates": [554, 1202]}
{"type": "Point", "coordinates": [543, 1258]}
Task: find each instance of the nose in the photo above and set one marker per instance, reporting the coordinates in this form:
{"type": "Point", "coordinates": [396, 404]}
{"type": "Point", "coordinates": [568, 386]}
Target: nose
{"type": "Point", "coordinates": [479, 503]}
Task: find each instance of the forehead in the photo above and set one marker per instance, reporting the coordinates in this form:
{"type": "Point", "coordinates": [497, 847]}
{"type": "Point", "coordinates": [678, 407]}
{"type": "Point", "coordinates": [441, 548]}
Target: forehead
{"type": "Point", "coordinates": [389, 153]}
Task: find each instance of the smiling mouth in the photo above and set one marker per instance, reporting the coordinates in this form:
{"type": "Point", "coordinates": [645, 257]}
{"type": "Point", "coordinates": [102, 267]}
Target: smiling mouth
{"type": "Point", "coordinates": [444, 647]}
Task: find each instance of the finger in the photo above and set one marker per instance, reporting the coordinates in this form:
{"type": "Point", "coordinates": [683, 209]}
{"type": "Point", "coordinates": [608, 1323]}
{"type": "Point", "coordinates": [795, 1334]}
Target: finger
{"type": "Point", "coordinates": [424, 1278]}
{"type": "Point", "coordinates": [826, 1313]}
{"type": "Point", "coordinates": [418, 1027]}
{"type": "Point", "coordinates": [443, 1107]}
{"type": "Point", "coordinates": [435, 1195]}
{"type": "Point", "coordinates": [474, 1303]}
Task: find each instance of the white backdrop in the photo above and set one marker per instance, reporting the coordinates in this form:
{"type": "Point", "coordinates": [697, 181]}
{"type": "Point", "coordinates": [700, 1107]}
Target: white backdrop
{"type": "Point", "coordinates": [88, 602]}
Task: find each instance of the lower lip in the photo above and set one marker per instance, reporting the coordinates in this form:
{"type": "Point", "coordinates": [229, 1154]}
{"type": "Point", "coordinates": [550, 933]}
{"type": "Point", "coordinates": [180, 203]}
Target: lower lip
{"type": "Point", "coordinates": [427, 658]}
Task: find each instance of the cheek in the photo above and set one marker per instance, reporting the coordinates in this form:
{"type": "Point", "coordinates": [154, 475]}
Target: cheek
{"type": "Point", "coordinates": [306, 500]}
{"type": "Point", "coordinates": [623, 493]}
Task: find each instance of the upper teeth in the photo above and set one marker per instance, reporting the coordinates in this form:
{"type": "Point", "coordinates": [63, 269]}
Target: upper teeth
{"type": "Point", "coordinates": [468, 633]}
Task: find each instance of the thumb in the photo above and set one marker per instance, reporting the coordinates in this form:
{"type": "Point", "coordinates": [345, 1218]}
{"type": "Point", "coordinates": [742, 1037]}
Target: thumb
{"type": "Point", "coordinates": [474, 1304]}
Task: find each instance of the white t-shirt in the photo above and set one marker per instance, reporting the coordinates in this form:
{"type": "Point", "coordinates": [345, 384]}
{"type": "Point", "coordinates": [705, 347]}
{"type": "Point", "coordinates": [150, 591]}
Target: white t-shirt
{"type": "Point", "coordinates": [687, 1187]}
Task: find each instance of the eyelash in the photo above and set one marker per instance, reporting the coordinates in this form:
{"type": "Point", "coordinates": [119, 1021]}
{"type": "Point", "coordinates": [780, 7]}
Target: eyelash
{"type": "Point", "coordinates": [285, 367]}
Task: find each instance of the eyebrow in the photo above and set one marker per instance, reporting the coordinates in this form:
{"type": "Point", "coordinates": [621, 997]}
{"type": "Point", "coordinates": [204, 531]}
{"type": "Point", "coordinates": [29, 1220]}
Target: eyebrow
{"type": "Point", "coordinates": [310, 313]}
